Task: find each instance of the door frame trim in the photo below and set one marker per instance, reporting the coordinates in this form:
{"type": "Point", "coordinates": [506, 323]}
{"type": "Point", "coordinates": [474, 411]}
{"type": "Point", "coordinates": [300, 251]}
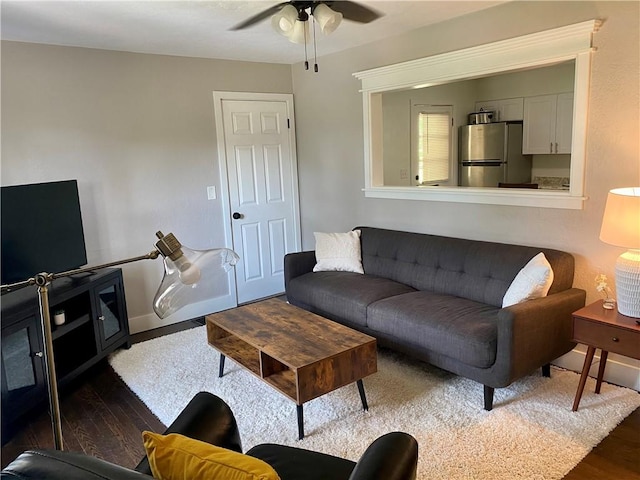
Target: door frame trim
{"type": "Point", "coordinates": [218, 98]}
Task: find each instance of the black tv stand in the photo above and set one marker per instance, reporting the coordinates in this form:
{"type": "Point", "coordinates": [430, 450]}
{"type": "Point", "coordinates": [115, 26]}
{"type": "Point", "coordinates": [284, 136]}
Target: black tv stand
{"type": "Point", "coordinates": [95, 325]}
{"type": "Point", "coordinates": [78, 277]}
{"type": "Point", "coordinates": [74, 278]}
{"type": "Point", "coordinates": [13, 290]}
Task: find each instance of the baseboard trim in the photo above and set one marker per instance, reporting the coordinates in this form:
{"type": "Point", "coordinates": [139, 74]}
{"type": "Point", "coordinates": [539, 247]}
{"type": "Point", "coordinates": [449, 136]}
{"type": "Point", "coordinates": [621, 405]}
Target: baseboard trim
{"type": "Point", "coordinates": [620, 370]}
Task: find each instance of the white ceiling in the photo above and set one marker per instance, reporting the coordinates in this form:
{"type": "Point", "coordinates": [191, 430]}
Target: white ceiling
{"type": "Point", "coordinates": [202, 28]}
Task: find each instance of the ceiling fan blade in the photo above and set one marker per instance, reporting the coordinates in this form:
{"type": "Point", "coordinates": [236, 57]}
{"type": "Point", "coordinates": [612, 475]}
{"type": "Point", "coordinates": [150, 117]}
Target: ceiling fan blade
{"type": "Point", "coordinates": [260, 16]}
{"type": "Point", "coordinates": [354, 11]}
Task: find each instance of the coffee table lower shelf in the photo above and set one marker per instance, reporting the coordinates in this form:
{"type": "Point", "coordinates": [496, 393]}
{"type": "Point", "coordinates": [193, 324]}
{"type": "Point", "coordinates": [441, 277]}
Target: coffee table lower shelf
{"type": "Point", "coordinates": [285, 382]}
{"type": "Point", "coordinates": [273, 372]}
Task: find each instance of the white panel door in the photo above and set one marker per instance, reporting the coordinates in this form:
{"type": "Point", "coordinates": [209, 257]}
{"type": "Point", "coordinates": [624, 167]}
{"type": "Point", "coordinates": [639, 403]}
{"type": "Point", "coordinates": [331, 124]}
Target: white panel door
{"type": "Point", "coordinates": [262, 193]}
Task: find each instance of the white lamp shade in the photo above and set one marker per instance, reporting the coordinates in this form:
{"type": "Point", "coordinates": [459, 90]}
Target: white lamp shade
{"type": "Point", "coordinates": [327, 19]}
{"type": "Point", "coordinates": [192, 278]}
{"type": "Point", "coordinates": [283, 21]}
{"type": "Point", "coordinates": [300, 32]}
{"type": "Point", "coordinates": [621, 219]}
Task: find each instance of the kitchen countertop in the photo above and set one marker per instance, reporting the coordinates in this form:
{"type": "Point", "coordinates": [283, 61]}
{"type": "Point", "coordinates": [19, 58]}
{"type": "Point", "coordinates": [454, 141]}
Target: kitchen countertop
{"type": "Point", "coordinates": [552, 183]}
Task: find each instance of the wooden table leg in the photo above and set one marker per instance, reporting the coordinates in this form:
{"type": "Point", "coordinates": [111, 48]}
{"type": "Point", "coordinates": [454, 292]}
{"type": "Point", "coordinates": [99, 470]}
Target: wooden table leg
{"type": "Point", "coordinates": [300, 422]}
{"type": "Point", "coordinates": [363, 397]}
{"type": "Point", "coordinates": [603, 364]}
{"type": "Point", "coordinates": [583, 377]}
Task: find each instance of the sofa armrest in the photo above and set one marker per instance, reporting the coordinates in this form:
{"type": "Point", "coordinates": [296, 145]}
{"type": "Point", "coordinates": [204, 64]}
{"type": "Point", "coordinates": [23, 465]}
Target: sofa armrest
{"type": "Point", "coordinates": [299, 263]}
{"type": "Point", "coordinates": [533, 333]}
{"type": "Point", "coordinates": [207, 418]}
{"type": "Point", "coordinates": [393, 456]}
{"type": "Point", "coordinates": [54, 464]}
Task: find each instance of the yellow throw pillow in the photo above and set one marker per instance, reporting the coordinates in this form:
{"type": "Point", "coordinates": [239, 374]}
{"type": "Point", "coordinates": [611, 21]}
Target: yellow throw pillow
{"type": "Point", "coordinates": [176, 457]}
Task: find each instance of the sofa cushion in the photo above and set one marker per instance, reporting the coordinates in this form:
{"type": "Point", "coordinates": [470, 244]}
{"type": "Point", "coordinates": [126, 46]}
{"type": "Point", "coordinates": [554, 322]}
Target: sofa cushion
{"type": "Point", "coordinates": [342, 295]}
{"type": "Point", "coordinates": [479, 271]}
{"type": "Point", "coordinates": [451, 326]}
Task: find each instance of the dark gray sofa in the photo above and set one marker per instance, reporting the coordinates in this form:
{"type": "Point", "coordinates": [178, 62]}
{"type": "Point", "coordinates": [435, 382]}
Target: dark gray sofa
{"type": "Point", "coordinates": [439, 299]}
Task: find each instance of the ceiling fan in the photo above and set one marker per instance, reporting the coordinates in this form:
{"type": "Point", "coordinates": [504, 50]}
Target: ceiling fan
{"type": "Point", "coordinates": [291, 19]}
{"type": "Point", "coordinates": [349, 10]}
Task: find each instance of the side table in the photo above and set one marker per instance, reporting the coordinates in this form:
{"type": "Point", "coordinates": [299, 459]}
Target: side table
{"type": "Point", "coordinates": [605, 329]}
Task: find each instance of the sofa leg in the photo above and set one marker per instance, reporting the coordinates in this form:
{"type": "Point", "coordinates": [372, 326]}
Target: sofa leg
{"type": "Point", "coordinates": [546, 370]}
{"type": "Point", "coordinates": [488, 398]}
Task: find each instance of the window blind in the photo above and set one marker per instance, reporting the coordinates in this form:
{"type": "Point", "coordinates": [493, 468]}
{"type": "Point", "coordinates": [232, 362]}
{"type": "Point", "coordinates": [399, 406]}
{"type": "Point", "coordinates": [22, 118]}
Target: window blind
{"type": "Point", "coordinates": [434, 146]}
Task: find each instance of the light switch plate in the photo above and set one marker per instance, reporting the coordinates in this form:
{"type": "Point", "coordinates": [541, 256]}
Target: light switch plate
{"type": "Point", "coordinates": [211, 193]}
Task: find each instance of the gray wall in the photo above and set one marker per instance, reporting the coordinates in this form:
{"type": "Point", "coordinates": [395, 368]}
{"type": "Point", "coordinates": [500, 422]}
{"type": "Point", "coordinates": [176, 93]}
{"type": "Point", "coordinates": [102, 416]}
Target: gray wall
{"type": "Point", "coordinates": [137, 131]}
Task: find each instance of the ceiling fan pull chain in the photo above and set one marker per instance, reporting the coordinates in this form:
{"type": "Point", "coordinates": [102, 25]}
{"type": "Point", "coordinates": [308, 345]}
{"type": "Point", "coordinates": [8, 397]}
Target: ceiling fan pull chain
{"type": "Point", "coordinates": [315, 48]}
{"type": "Point", "coordinates": [306, 57]}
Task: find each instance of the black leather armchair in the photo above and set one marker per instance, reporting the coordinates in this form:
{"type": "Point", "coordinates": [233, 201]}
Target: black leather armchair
{"type": "Point", "coordinates": [393, 456]}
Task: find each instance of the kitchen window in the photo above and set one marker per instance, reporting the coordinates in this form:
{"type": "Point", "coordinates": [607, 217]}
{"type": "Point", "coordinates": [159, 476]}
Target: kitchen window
{"type": "Point", "coordinates": [432, 162]}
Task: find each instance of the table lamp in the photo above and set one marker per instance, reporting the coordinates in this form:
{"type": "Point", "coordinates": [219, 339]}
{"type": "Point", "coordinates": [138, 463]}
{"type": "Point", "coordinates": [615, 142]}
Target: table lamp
{"type": "Point", "coordinates": [621, 227]}
{"type": "Point", "coordinates": [188, 276]}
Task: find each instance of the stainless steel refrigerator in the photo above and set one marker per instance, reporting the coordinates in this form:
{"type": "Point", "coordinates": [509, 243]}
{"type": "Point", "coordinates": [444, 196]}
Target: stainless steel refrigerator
{"type": "Point", "coordinates": [491, 153]}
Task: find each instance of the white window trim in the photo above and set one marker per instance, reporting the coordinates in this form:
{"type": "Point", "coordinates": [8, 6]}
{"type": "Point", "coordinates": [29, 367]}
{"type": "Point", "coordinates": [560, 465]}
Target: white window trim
{"type": "Point", "coordinates": [572, 42]}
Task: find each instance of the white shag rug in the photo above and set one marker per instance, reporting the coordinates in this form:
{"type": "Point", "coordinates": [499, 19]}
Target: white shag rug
{"type": "Point", "coordinates": [531, 433]}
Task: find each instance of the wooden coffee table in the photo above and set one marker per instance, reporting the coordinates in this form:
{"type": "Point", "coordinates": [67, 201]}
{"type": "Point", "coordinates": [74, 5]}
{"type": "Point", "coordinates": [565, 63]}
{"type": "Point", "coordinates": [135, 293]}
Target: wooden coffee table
{"type": "Point", "coordinates": [300, 354]}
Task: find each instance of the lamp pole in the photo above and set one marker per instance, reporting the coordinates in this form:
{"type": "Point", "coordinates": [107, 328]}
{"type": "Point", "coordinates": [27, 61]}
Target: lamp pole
{"type": "Point", "coordinates": [49, 364]}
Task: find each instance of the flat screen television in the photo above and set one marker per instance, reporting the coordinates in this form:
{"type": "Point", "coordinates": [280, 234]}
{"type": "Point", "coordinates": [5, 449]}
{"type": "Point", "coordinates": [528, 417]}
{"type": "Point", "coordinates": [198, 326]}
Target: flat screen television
{"type": "Point", "coordinates": [41, 230]}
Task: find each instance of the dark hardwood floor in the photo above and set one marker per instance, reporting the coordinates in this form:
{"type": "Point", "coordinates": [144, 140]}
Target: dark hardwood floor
{"type": "Point", "coordinates": [103, 418]}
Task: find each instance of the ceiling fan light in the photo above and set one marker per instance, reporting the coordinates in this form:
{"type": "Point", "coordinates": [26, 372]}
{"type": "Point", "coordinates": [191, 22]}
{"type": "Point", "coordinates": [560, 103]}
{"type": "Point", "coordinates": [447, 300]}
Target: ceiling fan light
{"type": "Point", "coordinates": [284, 21]}
{"type": "Point", "coordinates": [300, 33]}
{"type": "Point", "coordinates": [327, 19]}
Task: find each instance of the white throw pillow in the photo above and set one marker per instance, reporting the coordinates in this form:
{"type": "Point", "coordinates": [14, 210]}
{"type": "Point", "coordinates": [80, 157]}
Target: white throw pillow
{"type": "Point", "coordinates": [338, 252]}
{"type": "Point", "coordinates": [533, 281]}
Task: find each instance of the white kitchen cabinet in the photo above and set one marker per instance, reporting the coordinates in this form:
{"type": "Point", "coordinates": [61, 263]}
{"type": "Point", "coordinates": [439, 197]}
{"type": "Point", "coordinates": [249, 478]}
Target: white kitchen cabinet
{"type": "Point", "coordinates": [505, 110]}
{"type": "Point", "coordinates": [564, 123]}
{"type": "Point", "coordinates": [548, 122]}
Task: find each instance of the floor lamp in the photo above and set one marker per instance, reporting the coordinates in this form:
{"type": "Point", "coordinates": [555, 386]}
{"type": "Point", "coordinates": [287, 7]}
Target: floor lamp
{"type": "Point", "coordinates": [188, 274]}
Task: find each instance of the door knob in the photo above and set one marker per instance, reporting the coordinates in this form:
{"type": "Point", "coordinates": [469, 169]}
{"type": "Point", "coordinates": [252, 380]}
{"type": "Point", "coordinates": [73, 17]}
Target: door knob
{"type": "Point", "coordinates": [237, 216]}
